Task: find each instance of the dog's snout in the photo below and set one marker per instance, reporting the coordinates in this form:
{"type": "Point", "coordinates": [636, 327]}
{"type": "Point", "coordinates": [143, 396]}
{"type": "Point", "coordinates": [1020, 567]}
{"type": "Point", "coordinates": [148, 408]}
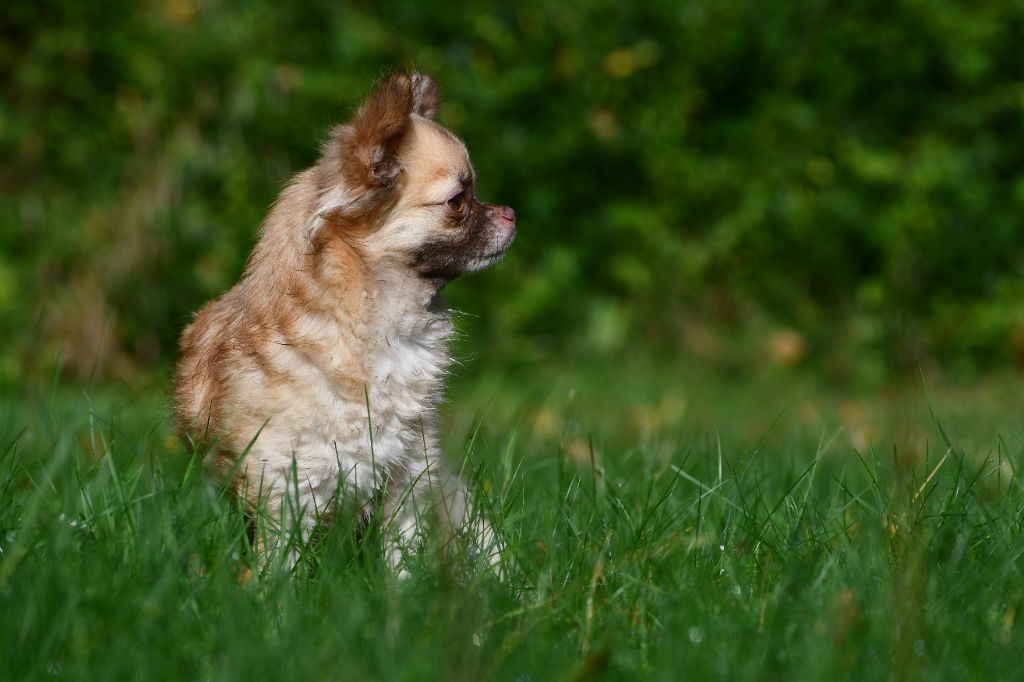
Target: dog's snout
{"type": "Point", "coordinates": [507, 213]}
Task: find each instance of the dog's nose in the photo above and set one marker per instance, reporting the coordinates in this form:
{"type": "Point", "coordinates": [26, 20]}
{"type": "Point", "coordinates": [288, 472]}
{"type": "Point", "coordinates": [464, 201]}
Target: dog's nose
{"type": "Point", "coordinates": [507, 213]}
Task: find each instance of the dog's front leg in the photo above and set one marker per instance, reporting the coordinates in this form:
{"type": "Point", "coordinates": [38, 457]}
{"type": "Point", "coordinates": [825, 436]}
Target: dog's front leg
{"type": "Point", "coordinates": [443, 504]}
{"type": "Point", "coordinates": [284, 513]}
{"type": "Point", "coordinates": [408, 506]}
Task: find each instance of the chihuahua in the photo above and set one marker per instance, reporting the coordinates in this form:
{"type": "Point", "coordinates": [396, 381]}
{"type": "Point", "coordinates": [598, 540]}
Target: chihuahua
{"type": "Point", "coordinates": [316, 379]}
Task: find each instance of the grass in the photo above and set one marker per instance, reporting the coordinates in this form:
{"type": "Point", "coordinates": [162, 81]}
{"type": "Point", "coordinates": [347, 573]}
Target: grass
{"type": "Point", "coordinates": [653, 532]}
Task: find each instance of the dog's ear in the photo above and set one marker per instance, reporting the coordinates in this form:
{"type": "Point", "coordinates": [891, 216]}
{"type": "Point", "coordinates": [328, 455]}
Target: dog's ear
{"type": "Point", "coordinates": [361, 155]}
{"type": "Point", "coordinates": [425, 95]}
{"type": "Point", "coordinates": [370, 143]}
{"type": "Point", "coordinates": [359, 164]}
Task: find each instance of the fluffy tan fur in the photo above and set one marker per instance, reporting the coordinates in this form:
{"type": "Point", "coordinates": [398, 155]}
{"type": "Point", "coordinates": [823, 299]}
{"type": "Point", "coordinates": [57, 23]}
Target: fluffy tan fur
{"type": "Point", "coordinates": [321, 371]}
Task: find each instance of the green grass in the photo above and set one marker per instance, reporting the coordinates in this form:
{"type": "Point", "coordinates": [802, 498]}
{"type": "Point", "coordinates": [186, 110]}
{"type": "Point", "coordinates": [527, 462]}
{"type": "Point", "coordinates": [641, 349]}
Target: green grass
{"type": "Point", "coordinates": [653, 532]}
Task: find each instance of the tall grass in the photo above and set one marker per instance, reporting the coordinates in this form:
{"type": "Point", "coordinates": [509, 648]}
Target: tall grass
{"type": "Point", "coordinates": [683, 553]}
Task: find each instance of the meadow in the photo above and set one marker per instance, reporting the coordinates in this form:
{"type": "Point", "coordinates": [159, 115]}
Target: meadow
{"type": "Point", "coordinates": [743, 401]}
{"type": "Point", "coordinates": [659, 523]}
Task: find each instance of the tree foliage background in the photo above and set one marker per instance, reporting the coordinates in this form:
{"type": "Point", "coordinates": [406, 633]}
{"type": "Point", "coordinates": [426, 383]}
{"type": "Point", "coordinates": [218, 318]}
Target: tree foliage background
{"type": "Point", "coordinates": [837, 184]}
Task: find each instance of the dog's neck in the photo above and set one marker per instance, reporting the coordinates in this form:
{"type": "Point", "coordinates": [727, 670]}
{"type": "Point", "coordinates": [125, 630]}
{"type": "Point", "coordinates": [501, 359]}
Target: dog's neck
{"type": "Point", "coordinates": [405, 329]}
{"type": "Point", "coordinates": [400, 300]}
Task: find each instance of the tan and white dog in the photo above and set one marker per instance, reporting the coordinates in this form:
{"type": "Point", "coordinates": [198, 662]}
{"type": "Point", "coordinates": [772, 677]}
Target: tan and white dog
{"type": "Point", "coordinates": [321, 371]}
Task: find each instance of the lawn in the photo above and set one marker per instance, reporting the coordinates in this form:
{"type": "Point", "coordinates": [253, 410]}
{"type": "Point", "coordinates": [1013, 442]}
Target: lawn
{"type": "Point", "coordinates": [660, 522]}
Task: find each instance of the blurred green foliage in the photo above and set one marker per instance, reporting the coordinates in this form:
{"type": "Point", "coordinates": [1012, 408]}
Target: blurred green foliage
{"type": "Point", "coordinates": [814, 181]}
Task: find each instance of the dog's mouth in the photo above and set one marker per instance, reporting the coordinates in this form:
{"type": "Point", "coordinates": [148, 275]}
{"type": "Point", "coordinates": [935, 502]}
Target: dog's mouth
{"type": "Point", "coordinates": [472, 251]}
{"type": "Point", "coordinates": [495, 250]}
{"type": "Point", "coordinates": [502, 241]}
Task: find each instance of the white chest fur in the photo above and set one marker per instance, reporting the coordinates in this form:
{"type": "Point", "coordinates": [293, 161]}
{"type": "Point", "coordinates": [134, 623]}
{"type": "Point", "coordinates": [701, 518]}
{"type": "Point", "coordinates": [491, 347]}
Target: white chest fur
{"type": "Point", "coordinates": [340, 443]}
{"type": "Point", "coordinates": [406, 371]}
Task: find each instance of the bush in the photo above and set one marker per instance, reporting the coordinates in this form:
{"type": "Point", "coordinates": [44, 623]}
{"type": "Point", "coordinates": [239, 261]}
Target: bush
{"type": "Point", "coordinates": [680, 171]}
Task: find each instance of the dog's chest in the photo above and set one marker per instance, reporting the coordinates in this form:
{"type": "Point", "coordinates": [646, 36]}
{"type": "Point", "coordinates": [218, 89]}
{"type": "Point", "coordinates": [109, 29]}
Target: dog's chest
{"type": "Point", "coordinates": [362, 408]}
{"type": "Point", "coordinates": [406, 372]}
{"type": "Point", "coordinates": [377, 425]}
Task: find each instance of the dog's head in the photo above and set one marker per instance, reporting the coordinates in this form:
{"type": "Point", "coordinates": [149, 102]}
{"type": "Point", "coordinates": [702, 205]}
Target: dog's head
{"type": "Point", "coordinates": [400, 188]}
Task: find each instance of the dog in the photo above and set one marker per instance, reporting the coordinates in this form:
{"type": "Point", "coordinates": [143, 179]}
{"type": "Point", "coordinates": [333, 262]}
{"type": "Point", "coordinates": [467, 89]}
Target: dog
{"type": "Point", "coordinates": [316, 380]}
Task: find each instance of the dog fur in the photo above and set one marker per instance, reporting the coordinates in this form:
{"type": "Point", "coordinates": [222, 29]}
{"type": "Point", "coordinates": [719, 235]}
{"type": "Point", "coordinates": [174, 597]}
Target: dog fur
{"type": "Point", "coordinates": [323, 368]}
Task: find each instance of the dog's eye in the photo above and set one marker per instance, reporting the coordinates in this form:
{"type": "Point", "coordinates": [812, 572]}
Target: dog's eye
{"type": "Point", "coordinates": [458, 202]}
